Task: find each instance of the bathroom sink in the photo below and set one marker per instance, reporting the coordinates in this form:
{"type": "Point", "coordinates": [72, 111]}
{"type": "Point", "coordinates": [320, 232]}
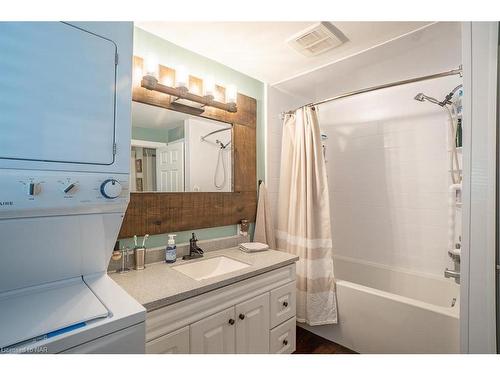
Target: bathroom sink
{"type": "Point", "coordinates": [210, 267]}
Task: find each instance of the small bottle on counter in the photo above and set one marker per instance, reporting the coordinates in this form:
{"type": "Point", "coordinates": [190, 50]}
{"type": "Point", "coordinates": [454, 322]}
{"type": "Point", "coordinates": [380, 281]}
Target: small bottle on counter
{"type": "Point", "coordinates": [171, 250]}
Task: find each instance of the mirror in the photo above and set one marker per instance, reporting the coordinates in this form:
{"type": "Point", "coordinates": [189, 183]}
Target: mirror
{"type": "Point", "coordinates": [177, 152]}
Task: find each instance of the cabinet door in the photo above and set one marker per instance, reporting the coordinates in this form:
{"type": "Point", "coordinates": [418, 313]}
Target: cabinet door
{"type": "Point", "coordinates": [176, 342]}
{"type": "Point", "coordinates": [252, 325]}
{"type": "Point", "coordinates": [214, 334]}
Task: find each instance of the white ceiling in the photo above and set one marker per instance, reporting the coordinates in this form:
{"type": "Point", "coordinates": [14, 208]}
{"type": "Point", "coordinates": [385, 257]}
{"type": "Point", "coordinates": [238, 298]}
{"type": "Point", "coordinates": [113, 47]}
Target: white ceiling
{"type": "Point", "coordinates": [434, 49]}
{"type": "Point", "coordinates": [259, 49]}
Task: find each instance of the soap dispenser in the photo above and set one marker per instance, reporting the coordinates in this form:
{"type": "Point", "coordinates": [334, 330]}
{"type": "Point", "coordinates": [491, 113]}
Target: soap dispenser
{"type": "Point", "coordinates": [171, 250]}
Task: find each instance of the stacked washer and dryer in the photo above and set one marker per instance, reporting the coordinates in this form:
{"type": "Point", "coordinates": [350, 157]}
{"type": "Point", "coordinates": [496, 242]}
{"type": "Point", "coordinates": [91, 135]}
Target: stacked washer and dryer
{"type": "Point", "coordinates": [65, 98]}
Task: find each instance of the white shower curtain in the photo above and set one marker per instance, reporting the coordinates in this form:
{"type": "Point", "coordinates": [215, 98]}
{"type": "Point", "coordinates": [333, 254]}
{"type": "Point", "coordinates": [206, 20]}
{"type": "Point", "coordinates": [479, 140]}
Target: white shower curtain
{"type": "Point", "coordinates": [304, 217]}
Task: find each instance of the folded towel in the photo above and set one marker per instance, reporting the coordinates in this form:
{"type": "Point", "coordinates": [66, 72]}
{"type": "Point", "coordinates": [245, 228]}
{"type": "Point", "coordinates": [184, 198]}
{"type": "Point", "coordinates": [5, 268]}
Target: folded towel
{"type": "Point", "coordinates": [252, 247]}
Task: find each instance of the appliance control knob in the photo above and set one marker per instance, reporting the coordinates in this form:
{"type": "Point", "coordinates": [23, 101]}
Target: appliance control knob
{"type": "Point", "coordinates": [70, 188]}
{"type": "Point", "coordinates": [34, 188]}
{"type": "Point", "coordinates": [111, 188]}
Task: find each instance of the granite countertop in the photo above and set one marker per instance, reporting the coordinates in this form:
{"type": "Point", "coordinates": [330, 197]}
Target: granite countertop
{"type": "Point", "coordinates": [160, 285]}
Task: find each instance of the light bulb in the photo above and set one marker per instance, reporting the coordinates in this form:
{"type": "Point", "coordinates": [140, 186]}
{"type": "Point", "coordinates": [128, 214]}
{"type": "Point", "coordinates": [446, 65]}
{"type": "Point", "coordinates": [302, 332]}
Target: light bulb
{"type": "Point", "coordinates": [152, 66]}
{"type": "Point", "coordinates": [209, 87]}
{"type": "Point", "coordinates": [167, 81]}
{"type": "Point", "coordinates": [181, 77]}
{"type": "Point", "coordinates": [231, 94]}
{"type": "Point", "coordinates": [137, 76]}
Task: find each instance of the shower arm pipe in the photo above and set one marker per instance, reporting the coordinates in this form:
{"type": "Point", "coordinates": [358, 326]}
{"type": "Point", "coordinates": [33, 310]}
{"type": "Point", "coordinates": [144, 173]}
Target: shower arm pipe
{"type": "Point", "coordinates": [452, 72]}
{"type": "Point", "coordinates": [214, 132]}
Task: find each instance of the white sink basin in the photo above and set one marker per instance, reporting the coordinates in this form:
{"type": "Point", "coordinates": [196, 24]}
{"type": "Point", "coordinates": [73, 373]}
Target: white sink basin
{"type": "Point", "coordinates": [210, 267]}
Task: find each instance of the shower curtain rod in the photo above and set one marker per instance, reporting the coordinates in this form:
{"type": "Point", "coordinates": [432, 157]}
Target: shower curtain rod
{"type": "Point", "coordinates": [452, 72]}
{"type": "Point", "coordinates": [215, 131]}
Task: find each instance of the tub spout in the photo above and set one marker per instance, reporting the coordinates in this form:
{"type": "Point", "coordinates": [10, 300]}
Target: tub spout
{"type": "Point", "coordinates": [452, 274]}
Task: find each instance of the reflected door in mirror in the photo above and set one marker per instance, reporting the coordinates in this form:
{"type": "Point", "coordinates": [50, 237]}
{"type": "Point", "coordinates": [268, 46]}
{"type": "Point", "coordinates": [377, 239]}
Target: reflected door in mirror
{"type": "Point", "coordinates": [170, 167]}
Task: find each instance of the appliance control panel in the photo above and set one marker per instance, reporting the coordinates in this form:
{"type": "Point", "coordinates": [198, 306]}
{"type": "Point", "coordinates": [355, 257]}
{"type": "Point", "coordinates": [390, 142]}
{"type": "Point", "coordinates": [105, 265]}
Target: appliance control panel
{"type": "Point", "coordinates": [28, 193]}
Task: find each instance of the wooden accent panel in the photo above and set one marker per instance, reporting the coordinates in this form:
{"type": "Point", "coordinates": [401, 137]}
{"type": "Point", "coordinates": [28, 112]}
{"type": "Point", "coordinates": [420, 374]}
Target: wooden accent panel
{"type": "Point", "coordinates": [157, 213]}
{"type": "Point", "coordinates": [247, 106]}
{"type": "Point", "coordinates": [245, 158]}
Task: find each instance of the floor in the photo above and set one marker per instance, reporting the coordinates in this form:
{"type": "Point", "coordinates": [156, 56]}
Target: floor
{"type": "Point", "coordinates": [309, 343]}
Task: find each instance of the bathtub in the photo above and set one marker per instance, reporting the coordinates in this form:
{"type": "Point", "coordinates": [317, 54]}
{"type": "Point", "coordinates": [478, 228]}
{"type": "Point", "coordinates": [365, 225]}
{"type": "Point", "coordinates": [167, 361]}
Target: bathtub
{"type": "Point", "coordinates": [386, 310]}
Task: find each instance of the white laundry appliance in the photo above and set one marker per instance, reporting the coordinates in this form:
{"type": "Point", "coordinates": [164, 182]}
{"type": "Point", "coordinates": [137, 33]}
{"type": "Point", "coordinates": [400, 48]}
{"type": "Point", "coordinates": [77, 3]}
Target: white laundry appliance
{"type": "Point", "coordinates": [65, 99]}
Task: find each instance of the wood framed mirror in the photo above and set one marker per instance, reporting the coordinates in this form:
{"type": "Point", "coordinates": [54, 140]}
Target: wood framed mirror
{"type": "Point", "coordinates": [163, 212]}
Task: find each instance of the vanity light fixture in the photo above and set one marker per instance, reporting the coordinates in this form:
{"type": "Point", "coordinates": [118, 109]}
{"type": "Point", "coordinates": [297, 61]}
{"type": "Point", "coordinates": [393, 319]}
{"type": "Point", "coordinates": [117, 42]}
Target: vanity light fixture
{"type": "Point", "coordinates": [231, 94]}
{"type": "Point", "coordinates": [152, 67]}
{"type": "Point", "coordinates": [209, 87]}
{"type": "Point", "coordinates": [182, 78]}
{"type": "Point", "coordinates": [137, 77]}
{"type": "Point", "coordinates": [181, 90]}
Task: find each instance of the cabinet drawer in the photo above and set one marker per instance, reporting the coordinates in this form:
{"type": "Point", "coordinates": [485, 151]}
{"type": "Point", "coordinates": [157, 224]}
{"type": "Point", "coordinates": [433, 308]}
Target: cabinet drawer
{"type": "Point", "coordinates": [282, 303]}
{"type": "Point", "coordinates": [282, 338]}
{"type": "Point", "coordinates": [172, 343]}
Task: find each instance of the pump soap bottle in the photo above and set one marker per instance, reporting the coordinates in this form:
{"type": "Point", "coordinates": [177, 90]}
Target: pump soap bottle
{"type": "Point", "coordinates": [171, 250]}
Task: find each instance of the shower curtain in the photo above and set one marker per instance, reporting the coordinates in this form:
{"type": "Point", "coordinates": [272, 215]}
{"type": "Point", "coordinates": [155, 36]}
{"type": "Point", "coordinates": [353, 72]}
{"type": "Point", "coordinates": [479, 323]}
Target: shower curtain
{"type": "Point", "coordinates": [304, 217]}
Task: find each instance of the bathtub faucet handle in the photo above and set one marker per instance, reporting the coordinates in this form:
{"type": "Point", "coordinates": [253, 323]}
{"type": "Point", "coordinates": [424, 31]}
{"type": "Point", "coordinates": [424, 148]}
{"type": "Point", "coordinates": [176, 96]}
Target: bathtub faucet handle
{"type": "Point", "coordinates": [452, 274]}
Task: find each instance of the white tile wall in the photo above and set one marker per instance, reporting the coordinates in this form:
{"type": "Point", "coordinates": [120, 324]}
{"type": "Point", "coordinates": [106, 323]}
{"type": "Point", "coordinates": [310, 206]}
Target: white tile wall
{"type": "Point", "coordinates": [387, 153]}
{"type": "Point", "coordinates": [388, 181]}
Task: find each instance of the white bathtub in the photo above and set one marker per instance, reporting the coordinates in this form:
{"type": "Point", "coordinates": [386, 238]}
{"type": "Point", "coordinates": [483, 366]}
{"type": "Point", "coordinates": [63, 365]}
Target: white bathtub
{"type": "Point", "coordinates": [383, 310]}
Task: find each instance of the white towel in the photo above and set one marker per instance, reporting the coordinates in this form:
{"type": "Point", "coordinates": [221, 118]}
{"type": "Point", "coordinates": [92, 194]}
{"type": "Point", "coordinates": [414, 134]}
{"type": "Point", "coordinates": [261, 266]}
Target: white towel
{"type": "Point", "coordinates": [253, 247]}
{"type": "Point", "coordinates": [264, 225]}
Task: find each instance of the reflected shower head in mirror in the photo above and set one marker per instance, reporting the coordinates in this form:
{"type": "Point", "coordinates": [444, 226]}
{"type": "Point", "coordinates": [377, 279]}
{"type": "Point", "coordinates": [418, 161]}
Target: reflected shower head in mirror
{"type": "Point", "coordinates": [221, 144]}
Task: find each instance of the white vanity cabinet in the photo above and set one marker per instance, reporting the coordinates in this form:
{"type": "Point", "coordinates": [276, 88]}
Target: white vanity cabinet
{"type": "Point", "coordinates": [256, 315]}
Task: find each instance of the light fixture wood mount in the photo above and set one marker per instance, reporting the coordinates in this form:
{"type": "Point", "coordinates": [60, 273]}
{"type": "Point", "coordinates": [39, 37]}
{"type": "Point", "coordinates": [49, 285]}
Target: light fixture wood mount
{"type": "Point", "coordinates": [151, 83]}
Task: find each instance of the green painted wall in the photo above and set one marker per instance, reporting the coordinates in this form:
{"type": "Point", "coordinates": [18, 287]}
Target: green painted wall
{"type": "Point", "coordinates": [183, 237]}
{"type": "Point", "coordinates": [169, 54]}
{"type": "Point", "coordinates": [147, 134]}
{"type": "Point", "coordinates": [175, 133]}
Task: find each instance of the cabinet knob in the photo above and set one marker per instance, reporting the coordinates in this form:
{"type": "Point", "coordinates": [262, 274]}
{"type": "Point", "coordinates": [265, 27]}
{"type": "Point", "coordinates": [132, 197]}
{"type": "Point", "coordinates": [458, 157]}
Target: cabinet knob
{"type": "Point", "coordinates": [242, 316]}
{"type": "Point", "coordinates": [285, 304]}
{"type": "Point", "coordinates": [285, 342]}
{"type": "Point", "coordinates": [231, 321]}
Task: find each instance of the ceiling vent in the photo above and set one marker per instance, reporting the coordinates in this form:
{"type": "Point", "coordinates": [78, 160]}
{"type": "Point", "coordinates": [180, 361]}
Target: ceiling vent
{"type": "Point", "coordinates": [317, 39]}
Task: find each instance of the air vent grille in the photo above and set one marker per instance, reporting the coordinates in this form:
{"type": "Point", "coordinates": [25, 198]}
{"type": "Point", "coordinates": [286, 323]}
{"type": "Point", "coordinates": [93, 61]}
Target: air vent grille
{"type": "Point", "coordinates": [317, 39]}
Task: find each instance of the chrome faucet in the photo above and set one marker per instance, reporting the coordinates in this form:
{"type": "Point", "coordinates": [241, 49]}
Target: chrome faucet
{"type": "Point", "coordinates": [452, 274]}
{"type": "Point", "coordinates": [194, 250]}
{"type": "Point", "coordinates": [455, 273]}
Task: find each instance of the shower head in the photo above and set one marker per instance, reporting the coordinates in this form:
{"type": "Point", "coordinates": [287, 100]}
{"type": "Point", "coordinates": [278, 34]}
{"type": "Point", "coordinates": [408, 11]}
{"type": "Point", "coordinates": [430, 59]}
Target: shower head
{"type": "Point", "coordinates": [421, 97]}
